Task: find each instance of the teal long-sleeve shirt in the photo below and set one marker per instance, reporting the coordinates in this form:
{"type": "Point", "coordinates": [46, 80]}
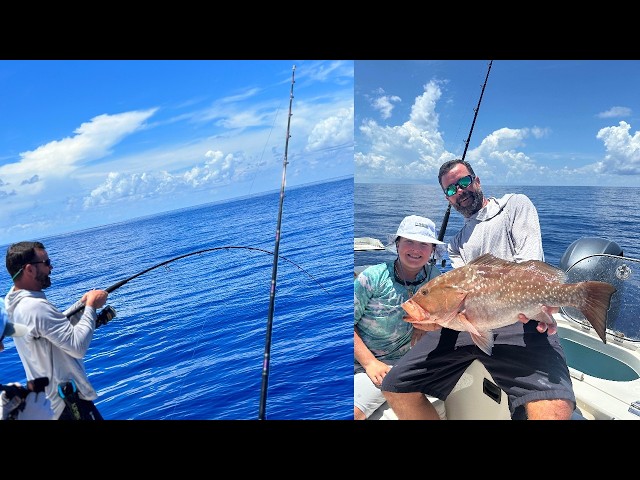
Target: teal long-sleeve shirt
{"type": "Point", "coordinates": [377, 300]}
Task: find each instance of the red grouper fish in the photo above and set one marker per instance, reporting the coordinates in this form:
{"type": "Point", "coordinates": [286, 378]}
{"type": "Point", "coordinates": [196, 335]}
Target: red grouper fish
{"type": "Point", "coordinates": [489, 293]}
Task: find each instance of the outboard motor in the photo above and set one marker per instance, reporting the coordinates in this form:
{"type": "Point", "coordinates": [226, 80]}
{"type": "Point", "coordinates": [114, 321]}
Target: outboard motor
{"type": "Point", "coordinates": [587, 259]}
{"type": "Point", "coordinates": [585, 247]}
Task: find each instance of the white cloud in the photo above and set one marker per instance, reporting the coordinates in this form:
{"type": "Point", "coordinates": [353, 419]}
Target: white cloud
{"type": "Point", "coordinates": [413, 151]}
{"type": "Point", "coordinates": [615, 112]}
{"type": "Point", "coordinates": [334, 130]}
{"type": "Point", "coordinates": [60, 158]}
{"type": "Point", "coordinates": [623, 150]}
{"type": "Point", "coordinates": [384, 104]}
{"type": "Point", "coordinates": [218, 169]}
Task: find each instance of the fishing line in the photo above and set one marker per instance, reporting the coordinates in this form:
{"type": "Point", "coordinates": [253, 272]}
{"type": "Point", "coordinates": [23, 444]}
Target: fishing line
{"type": "Point", "coordinates": [117, 285]}
{"type": "Point", "coordinates": [185, 374]}
{"type": "Point", "coordinates": [265, 147]}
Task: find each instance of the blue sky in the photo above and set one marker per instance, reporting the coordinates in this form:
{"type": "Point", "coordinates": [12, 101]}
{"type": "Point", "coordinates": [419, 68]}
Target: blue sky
{"type": "Point", "coordinates": [85, 143]}
{"type": "Point", "coordinates": [540, 122]}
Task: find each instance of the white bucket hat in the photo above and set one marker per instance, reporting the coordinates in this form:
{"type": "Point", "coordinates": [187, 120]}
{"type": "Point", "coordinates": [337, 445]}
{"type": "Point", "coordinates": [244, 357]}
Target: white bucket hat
{"type": "Point", "coordinates": [7, 328]}
{"type": "Point", "coordinates": [419, 229]}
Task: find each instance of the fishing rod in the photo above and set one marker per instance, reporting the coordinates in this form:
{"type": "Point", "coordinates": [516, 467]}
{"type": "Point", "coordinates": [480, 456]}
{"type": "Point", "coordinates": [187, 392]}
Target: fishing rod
{"type": "Point", "coordinates": [445, 219]}
{"type": "Point", "coordinates": [272, 295]}
{"type": "Point", "coordinates": [227, 247]}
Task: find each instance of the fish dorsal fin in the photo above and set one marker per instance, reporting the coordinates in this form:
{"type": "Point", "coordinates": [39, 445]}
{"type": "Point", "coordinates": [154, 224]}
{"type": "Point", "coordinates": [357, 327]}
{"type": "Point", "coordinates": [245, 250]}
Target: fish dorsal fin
{"type": "Point", "coordinates": [535, 268]}
{"type": "Point", "coordinates": [546, 272]}
{"type": "Point", "coordinates": [490, 260]}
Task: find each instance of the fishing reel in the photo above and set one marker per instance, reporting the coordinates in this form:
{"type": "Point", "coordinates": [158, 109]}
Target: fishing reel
{"type": "Point", "coordinates": [107, 314]}
{"type": "Point", "coordinates": [35, 385]}
{"type": "Point", "coordinates": [11, 391]}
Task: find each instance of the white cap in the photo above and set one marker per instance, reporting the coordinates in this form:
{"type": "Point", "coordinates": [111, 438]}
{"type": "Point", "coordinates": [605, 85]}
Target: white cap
{"type": "Point", "coordinates": [419, 229]}
{"type": "Point", "coordinates": [10, 329]}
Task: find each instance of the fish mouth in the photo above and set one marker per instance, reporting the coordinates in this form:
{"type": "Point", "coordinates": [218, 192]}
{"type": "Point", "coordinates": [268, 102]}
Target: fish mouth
{"type": "Point", "coordinates": [415, 311]}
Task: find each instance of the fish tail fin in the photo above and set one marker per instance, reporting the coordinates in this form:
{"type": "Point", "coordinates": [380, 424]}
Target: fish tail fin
{"type": "Point", "coordinates": [484, 341]}
{"type": "Point", "coordinates": [596, 303]}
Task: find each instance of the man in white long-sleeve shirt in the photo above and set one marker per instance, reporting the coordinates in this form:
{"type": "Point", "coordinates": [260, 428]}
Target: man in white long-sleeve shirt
{"type": "Point", "coordinates": [55, 345]}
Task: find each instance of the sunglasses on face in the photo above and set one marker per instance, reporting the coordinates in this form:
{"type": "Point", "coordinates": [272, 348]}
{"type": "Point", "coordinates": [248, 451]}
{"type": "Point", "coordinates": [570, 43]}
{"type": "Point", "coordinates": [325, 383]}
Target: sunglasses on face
{"type": "Point", "coordinates": [463, 183]}
{"type": "Point", "coordinates": [47, 262]}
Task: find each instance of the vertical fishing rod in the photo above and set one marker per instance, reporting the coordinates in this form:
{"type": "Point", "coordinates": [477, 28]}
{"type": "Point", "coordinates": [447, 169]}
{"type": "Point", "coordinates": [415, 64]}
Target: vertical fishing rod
{"type": "Point", "coordinates": [445, 219]}
{"type": "Point", "coordinates": [272, 295]}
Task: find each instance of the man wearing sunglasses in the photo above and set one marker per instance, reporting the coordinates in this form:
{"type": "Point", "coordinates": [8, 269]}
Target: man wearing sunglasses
{"type": "Point", "coordinates": [54, 345]}
{"type": "Point", "coordinates": [527, 362]}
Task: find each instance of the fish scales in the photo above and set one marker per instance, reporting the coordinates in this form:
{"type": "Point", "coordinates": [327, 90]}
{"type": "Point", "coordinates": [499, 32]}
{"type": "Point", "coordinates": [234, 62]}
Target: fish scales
{"type": "Point", "coordinates": [489, 293]}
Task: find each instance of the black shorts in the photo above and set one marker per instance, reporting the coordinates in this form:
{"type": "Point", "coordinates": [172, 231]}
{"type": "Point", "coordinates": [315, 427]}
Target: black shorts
{"type": "Point", "coordinates": [526, 364]}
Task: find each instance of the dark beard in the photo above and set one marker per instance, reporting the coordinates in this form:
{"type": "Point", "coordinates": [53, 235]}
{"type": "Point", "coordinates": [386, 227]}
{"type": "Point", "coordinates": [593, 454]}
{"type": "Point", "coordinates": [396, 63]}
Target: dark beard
{"type": "Point", "coordinates": [474, 206]}
{"type": "Point", "coordinates": [45, 281]}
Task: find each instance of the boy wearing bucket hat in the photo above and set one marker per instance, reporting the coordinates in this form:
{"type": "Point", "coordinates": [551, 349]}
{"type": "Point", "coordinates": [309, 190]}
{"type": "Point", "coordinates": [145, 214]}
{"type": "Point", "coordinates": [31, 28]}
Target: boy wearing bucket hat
{"type": "Point", "coordinates": [380, 335]}
{"type": "Point", "coordinates": [36, 405]}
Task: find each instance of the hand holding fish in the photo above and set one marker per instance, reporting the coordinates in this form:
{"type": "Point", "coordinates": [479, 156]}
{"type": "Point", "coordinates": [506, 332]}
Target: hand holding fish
{"type": "Point", "coordinates": [548, 323]}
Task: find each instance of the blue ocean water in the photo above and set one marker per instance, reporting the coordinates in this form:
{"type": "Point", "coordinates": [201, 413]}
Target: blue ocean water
{"type": "Point", "coordinates": [189, 340]}
{"type": "Point", "coordinates": [566, 214]}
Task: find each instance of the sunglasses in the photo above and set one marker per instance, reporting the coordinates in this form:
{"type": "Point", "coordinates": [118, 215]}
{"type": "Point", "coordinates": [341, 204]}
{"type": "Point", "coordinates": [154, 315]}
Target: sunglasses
{"type": "Point", "coordinates": [463, 183]}
{"type": "Point", "coordinates": [47, 262]}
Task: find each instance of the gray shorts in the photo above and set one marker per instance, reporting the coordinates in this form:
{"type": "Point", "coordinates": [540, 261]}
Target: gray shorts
{"type": "Point", "coordinates": [526, 364]}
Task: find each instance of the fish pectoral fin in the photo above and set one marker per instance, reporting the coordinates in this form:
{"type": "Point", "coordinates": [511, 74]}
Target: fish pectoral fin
{"type": "Point", "coordinates": [484, 341]}
{"type": "Point", "coordinates": [466, 325]}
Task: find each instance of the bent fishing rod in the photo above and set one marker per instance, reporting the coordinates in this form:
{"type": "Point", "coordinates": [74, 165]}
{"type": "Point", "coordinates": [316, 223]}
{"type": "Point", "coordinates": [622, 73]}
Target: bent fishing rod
{"type": "Point", "coordinates": [227, 247]}
{"type": "Point", "coordinates": [445, 219]}
{"type": "Point", "coordinates": [274, 274]}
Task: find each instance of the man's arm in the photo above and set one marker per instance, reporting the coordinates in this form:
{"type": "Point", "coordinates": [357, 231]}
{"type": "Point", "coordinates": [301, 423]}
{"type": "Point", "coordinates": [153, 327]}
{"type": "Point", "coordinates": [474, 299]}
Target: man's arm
{"type": "Point", "coordinates": [525, 230]}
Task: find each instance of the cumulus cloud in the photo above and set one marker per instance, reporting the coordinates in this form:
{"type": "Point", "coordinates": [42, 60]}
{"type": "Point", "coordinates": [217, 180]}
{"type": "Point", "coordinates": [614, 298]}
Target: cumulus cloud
{"type": "Point", "coordinates": [411, 149]}
{"type": "Point", "coordinates": [412, 152]}
{"type": "Point", "coordinates": [335, 130]}
{"type": "Point", "coordinates": [384, 104]}
{"type": "Point", "coordinates": [218, 169]}
{"type": "Point", "coordinates": [623, 150]}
